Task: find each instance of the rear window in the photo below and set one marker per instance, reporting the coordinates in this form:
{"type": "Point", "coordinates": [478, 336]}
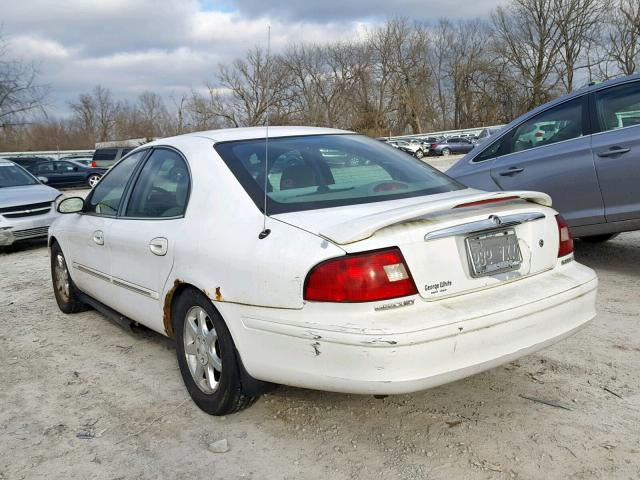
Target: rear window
{"type": "Point", "coordinates": [105, 154]}
{"type": "Point", "coordinates": [320, 171]}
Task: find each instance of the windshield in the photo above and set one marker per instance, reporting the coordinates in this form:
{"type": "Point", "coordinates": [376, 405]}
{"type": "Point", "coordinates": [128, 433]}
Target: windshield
{"type": "Point", "coordinates": [13, 176]}
{"type": "Point", "coordinates": [320, 171]}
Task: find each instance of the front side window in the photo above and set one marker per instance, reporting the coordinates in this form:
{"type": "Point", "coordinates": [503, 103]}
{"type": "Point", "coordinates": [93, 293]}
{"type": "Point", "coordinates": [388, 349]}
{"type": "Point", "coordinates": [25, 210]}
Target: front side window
{"type": "Point", "coordinates": [106, 197]}
{"type": "Point", "coordinates": [45, 167]}
{"type": "Point", "coordinates": [162, 188]}
{"type": "Point", "coordinates": [320, 171]}
{"type": "Point", "coordinates": [557, 124]}
{"type": "Point", "coordinates": [618, 107]}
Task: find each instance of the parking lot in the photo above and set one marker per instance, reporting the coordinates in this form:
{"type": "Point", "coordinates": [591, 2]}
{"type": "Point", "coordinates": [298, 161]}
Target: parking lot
{"type": "Point", "coordinates": [83, 398]}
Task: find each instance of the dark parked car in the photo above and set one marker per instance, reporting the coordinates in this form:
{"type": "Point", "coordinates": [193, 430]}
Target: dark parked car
{"type": "Point", "coordinates": [65, 173]}
{"type": "Point", "coordinates": [27, 162]}
{"type": "Point", "coordinates": [106, 157]}
{"type": "Point", "coordinates": [451, 145]}
{"type": "Point", "coordinates": [589, 163]}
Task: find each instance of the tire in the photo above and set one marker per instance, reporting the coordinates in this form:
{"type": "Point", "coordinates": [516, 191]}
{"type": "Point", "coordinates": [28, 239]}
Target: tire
{"type": "Point", "coordinates": [93, 180]}
{"type": "Point", "coordinates": [599, 238]}
{"type": "Point", "coordinates": [211, 370]}
{"type": "Point", "coordinates": [446, 152]}
{"type": "Point", "coordinates": [419, 154]}
{"type": "Point", "coordinates": [64, 289]}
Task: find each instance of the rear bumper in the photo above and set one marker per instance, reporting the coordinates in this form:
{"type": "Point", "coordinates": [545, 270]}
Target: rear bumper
{"type": "Point", "coordinates": [329, 351]}
{"type": "Point", "coordinates": [26, 228]}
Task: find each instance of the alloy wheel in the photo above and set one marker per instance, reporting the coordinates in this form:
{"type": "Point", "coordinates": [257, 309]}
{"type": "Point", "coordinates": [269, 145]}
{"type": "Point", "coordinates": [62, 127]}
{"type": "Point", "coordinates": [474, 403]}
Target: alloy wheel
{"type": "Point", "coordinates": [93, 180]}
{"type": "Point", "coordinates": [202, 349]}
{"type": "Point", "coordinates": [61, 277]}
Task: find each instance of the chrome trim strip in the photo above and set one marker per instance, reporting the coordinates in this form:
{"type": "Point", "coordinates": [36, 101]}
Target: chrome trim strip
{"type": "Point", "coordinates": [91, 271]}
{"type": "Point", "coordinates": [494, 222]}
{"type": "Point", "coordinates": [135, 288]}
{"type": "Point", "coordinates": [117, 281]}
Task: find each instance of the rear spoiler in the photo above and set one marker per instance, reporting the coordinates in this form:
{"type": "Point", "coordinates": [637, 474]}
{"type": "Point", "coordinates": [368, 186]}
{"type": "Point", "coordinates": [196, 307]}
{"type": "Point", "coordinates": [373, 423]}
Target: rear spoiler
{"type": "Point", "coordinates": [363, 227]}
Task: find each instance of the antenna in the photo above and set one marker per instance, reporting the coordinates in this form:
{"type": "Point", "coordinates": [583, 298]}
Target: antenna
{"type": "Point", "coordinates": [265, 231]}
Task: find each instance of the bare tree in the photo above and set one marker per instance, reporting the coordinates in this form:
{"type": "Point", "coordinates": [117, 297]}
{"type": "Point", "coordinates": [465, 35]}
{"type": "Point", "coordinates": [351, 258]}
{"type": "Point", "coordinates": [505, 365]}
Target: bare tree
{"type": "Point", "coordinates": [624, 36]}
{"type": "Point", "coordinates": [248, 95]}
{"type": "Point", "coordinates": [21, 94]}
{"type": "Point", "coordinates": [96, 113]}
{"type": "Point", "coordinates": [526, 33]}
{"type": "Point", "coordinates": [577, 22]}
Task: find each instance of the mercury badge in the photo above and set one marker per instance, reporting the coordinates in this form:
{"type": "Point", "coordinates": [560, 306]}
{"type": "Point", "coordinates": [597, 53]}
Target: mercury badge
{"type": "Point", "coordinates": [495, 219]}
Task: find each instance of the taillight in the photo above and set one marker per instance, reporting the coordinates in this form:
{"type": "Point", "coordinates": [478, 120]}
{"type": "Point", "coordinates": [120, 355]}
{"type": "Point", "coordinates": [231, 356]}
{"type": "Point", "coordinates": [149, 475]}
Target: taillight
{"type": "Point", "coordinates": [94, 164]}
{"type": "Point", "coordinates": [434, 145]}
{"type": "Point", "coordinates": [363, 277]}
{"type": "Point", "coordinates": [566, 240]}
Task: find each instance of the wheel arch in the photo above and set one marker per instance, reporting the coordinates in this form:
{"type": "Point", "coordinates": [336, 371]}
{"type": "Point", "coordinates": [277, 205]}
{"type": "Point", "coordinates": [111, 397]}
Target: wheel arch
{"type": "Point", "coordinates": [250, 385]}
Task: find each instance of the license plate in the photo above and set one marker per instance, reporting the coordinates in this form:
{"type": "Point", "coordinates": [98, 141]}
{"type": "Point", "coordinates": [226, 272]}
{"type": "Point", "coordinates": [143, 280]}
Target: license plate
{"type": "Point", "coordinates": [493, 252]}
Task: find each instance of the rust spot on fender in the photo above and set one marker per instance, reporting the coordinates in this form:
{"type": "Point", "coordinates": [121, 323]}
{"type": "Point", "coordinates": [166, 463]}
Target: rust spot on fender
{"type": "Point", "coordinates": [166, 309]}
{"type": "Point", "coordinates": [218, 295]}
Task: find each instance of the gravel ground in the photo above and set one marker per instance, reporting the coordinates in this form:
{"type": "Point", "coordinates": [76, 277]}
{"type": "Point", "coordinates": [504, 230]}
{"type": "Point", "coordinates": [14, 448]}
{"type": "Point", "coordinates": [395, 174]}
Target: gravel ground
{"type": "Point", "coordinates": [83, 398]}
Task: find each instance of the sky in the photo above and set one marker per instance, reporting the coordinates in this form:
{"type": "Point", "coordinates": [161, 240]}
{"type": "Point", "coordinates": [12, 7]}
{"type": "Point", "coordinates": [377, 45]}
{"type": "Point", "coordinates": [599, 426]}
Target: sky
{"type": "Point", "coordinates": [171, 46]}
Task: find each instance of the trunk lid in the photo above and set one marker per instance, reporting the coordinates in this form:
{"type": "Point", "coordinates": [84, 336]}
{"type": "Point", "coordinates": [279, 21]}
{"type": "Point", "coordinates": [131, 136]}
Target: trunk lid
{"type": "Point", "coordinates": [435, 236]}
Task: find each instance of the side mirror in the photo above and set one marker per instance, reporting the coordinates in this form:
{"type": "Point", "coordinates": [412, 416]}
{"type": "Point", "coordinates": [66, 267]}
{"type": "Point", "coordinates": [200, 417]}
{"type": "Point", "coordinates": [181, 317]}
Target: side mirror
{"type": "Point", "coordinates": [43, 179]}
{"type": "Point", "coordinates": [71, 205]}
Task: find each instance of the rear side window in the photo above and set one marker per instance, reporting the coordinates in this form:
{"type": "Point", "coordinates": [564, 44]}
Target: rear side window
{"type": "Point", "coordinates": [320, 171]}
{"type": "Point", "coordinates": [162, 188]}
{"type": "Point", "coordinates": [563, 122]}
{"type": "Point", "coordinates": [105, 154]}
{"type": "Point", "coordinates": [618, 107]}
{"type": "Point", "coordinates": [106, 197]}
{"type": "Point", "coordinates": [63, 167]}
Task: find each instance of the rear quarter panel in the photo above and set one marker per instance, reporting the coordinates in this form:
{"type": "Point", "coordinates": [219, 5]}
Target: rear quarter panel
{"type": "Point", "coordinates": [218, 249]}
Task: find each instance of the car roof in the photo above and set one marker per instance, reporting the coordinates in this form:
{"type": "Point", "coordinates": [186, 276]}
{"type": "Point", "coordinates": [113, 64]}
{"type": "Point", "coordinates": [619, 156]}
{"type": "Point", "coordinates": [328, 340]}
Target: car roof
{"type": "Point", "coordinates": [249, 133]}
{"type": "Point", "coordinates": [579, 92]}
{"type": "Point", "coordinates": [5, 161]}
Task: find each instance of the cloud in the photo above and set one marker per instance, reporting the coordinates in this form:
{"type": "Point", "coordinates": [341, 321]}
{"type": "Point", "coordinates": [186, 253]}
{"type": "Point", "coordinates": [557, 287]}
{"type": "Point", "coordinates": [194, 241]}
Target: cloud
{"type": "Point", "coordinates": [330, 10]}
{"type": "Point", "coordinates": [176, 45]}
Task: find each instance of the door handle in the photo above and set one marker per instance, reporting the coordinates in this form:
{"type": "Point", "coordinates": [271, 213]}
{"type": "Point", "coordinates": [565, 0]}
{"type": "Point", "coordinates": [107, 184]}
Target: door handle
{"type": "Point", "coordinates": [98, 237]}
{"type": "Point", "coordinates": [613, 151]}
{"type": "Point", "coordinates": [511, 171]}
{"type": "Point", "coordinates": [159, 246]}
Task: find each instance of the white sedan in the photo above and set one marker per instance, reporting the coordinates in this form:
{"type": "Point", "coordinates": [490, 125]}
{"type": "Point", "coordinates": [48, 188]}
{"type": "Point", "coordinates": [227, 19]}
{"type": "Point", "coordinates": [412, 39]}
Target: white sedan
{"type": "Point", "coordinates": [378, 277]}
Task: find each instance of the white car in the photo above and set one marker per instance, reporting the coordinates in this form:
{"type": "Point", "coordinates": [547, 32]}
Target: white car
{"type": "Point", "coordinates": [388, 277]}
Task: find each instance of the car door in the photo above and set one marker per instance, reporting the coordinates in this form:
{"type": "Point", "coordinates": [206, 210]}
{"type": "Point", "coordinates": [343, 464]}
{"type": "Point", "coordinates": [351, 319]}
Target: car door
{"type": "Point", "coordinates": [616, 149]}
{"type": "Point", "coordinates": [88, 234]}
{"type": "Point", "coordinates": [465, 145]}
{"type": "Point", "coordinates": [454, 145]}
{"type": "Point", "coordinates": [561, 166]}
{"type": "Point", "coordinates": [143, 236]}
{"type": "Point", "coordinates": [47, 171]}
{"type": "Point", "coordinates": [68, 174]}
